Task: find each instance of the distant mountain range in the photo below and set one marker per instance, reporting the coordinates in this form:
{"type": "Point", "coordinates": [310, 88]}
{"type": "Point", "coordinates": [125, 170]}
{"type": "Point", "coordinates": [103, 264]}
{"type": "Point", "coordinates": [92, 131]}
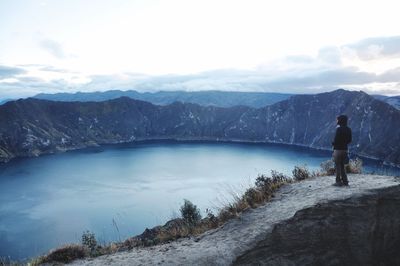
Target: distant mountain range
{"type": "Point", "coordinates": [205, 98]}
{"type": "Point", "coordinates": [32, 127]}
{"type": "Point", "coordinates": [392, 100]}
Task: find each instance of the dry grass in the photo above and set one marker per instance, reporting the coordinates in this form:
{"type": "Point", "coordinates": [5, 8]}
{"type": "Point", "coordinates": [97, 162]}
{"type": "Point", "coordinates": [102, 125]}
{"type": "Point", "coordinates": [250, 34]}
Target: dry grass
{"type": "Point", "coordinates": [4, 261]}
{"type": "Point", "coordinates": [355, 166]}
{"type": "Point", "coordinates": [64, 254]}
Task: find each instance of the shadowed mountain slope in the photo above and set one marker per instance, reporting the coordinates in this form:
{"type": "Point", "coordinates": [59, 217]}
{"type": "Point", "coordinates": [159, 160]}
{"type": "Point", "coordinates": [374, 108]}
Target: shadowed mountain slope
{"type": "Point", "coordinates": [31, 127]}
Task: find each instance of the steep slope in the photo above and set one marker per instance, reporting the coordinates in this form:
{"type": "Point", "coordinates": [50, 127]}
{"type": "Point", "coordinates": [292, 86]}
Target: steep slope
{"type": "Point", "coordinates": [307, 223]}
{"type": "Point", "coordinates": [31, 127]}
{"type": "Point", "coordinates": [206, 98]}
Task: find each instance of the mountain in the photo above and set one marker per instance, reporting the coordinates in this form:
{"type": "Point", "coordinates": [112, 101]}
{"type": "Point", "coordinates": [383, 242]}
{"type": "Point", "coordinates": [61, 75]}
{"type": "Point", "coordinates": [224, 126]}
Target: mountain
{"type": "Point", "coordinates": [31, 127]}
{"type": "Point", "coordinates": [206, 98]}
{"type": "Point", "coordinates": [4, 101]}
{"type": "Point", "coordinates": [393, 100]}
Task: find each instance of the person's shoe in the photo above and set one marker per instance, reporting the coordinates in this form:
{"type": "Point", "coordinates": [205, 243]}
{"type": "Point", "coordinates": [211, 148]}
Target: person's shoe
{"type": "Point", "coordinates": [337, 184]}
{"type": "Point", "coordinates": [346, 184]}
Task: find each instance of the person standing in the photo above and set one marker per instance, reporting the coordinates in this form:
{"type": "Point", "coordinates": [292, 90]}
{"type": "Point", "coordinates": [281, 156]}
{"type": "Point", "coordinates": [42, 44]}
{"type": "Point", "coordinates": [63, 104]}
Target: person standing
{"type": "Point", "coordinates": [342, 138]}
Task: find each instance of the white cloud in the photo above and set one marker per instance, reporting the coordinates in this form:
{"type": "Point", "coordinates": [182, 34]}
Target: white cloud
{"type": "Point", "coordinates": [347, 66]}
{"type": "Point", "coordinates": [53, 47]}
{"type": "Point", "coordinates": [9, 71]}
{"type": "Point", "coordinates": [376, 48]}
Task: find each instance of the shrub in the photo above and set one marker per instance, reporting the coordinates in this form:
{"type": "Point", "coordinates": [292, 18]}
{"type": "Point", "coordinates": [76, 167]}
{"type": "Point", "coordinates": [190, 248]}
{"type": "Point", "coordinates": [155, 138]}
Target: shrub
{"type": "Point", "coordinates": [262, 181]}
{"type": "Point", "coordinates": [328, 167]}
{"type": "Point", "coordinates": [190, 213]}
{"type": "Point", "coordinates": [354, 166]}
{"type": "Point", "coordinates": [278, 177]}
{"type": "Point", "coordinates": [300, 173]}
{"type": "Point", "coordinates": [89, 240]}
{"type": "Point", "coordinates": [65, 254]}
{"type": "Point", "coordinates": [253, 197]}
{"type": "Point", "coordinates": [211, 218]}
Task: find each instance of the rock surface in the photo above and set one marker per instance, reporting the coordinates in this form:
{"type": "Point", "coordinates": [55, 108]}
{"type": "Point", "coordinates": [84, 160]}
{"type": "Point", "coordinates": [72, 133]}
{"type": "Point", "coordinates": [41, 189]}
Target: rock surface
{"type": "Point", "coordinates": [307, 223]}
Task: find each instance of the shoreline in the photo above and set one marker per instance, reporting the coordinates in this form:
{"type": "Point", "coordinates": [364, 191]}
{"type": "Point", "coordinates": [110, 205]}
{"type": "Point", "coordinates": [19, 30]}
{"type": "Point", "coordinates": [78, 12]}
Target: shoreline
{"type": "Point", "coordinates": [192, 140]}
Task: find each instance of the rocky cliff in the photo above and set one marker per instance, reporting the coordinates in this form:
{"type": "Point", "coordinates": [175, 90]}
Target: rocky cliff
{"type": "Point", "coordinates": [307, 223]}
{"type": "Point", "coordinates": [31, 127]}
{"type": "Point", "coordinates": [361, 230]}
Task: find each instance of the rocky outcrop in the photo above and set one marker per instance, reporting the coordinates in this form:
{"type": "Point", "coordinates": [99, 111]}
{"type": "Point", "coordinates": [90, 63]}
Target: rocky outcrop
{"type": "Point", "coordinates": [32, 127]}
{"type": "Point", "coordinates": [306, 223]}
{"type": "Point", "coordinates": [357, 231]}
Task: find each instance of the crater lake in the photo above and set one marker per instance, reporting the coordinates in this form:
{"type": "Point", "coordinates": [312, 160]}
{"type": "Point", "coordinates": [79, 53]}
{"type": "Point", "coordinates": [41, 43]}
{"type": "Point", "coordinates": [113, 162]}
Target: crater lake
{"type": "Point", "coordinates": [117, 191]}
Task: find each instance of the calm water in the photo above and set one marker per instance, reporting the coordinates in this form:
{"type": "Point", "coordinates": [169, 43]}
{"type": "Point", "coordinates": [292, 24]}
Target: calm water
{"type": "Point", "coordinates": [118, 191]}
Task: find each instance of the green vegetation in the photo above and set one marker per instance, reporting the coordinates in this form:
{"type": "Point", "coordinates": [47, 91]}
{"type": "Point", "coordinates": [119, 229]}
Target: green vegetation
{"type": "Point", "coordinates": [190, 213]}
{"type": "Point", "coordinates": [89, 240]}
{"type": "Point", "coordinates": [191, 224]}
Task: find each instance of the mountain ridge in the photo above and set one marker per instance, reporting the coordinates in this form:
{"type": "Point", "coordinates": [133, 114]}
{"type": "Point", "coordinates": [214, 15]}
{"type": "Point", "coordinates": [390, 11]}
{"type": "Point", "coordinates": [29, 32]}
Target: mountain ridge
{"type": "Point", "coordinates": [32, 127]}
{"type": "Point", "coordinates": [206, 98]}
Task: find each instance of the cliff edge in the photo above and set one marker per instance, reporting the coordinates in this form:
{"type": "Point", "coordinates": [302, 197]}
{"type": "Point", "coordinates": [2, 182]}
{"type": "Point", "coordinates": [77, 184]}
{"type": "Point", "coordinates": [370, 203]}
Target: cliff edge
{"type": "Point", "coordinates": [307, 223]}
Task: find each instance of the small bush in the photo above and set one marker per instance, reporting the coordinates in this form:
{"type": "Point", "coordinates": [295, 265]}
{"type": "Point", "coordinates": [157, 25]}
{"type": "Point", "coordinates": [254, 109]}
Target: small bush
{"type": "Point", "coordinates": [190, 213]}
{"type": "Point", "coordinates": [263, 181]}
{"type": "Point", "coordinates": [278, 177]}
{"type": "Point", "coordinates": [355, 166]}
{"type": "Point", "coordinates": [301, 173]}
{"type": "Point", "coordinates": [65, 254]}
{"type": "Point", "coordinates": [328, 167]}
{"type": "Point", "coordinates": [253, 197]}
{"type": "Point", "coordinates": [89, 240]}
{"type": "Point", "coordinates": [211, 218]}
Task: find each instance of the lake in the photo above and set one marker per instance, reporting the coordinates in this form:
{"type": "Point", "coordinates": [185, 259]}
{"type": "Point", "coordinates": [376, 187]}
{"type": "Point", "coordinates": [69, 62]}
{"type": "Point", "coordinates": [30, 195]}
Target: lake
{"type": "Point", "coordinates": [117, 191]}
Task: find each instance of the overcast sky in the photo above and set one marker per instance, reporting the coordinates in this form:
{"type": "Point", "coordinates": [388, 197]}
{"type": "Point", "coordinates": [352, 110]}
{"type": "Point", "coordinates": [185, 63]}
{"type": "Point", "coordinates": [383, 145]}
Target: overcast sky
{"type": "Point", "coordinates": [284, 46]}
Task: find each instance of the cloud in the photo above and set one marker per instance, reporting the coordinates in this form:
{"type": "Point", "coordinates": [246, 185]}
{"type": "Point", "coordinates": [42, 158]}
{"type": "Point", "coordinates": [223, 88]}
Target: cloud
{"type": "Point", "coordinates": [28, 86]}
{"type": "Point", "coordinates": [10, 72]}
{"type": "Point", "coordinates": [330, 68]}
{"type": "Point", "coordinates": [53, 47]}
{"type": "Point", "coordinates": [392, 75]}
{"type": "Point", "coordinates": [328, 78]}
{"type": "Point", "coordinates": [376, 48]}
{"type": "Point", "coordinates": [330, 55]}
{"type": "Point", "coordinates": [311, 80]}
{"type": "Point", "coordinates": [54, 69]}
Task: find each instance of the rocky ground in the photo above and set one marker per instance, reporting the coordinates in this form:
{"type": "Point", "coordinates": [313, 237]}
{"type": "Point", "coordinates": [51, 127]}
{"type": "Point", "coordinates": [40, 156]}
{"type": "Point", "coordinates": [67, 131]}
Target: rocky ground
{"type": "Point", "coordinates": [250, 238]}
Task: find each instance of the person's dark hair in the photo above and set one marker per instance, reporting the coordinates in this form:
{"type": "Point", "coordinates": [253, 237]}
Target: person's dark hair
{"type": "Point", "coordinates": [342, 120]}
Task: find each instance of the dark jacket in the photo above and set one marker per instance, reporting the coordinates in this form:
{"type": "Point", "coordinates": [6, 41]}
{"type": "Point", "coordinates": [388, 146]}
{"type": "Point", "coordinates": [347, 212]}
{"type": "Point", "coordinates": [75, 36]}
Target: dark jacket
{"type": "Point", "coordinates": [342, 138]}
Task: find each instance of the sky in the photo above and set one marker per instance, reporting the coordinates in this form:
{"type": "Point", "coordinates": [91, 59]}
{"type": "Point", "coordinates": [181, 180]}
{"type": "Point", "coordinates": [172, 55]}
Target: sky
{"type": "Point", "coordinates": [306, 46]}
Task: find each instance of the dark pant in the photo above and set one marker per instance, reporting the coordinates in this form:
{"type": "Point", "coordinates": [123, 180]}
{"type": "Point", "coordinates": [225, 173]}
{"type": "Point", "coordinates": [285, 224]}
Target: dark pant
{"type": "Point", "coordinates": [339, 157]}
